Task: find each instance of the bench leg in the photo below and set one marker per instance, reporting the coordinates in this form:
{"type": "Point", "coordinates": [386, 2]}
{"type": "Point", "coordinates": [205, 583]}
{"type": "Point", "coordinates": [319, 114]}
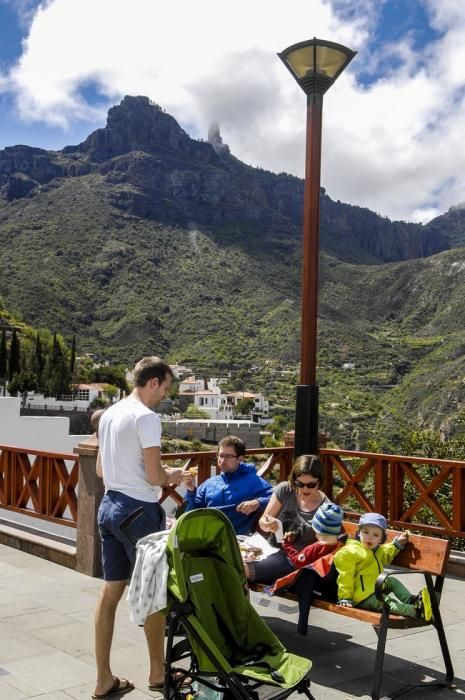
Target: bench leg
{"type": "Point", "coordinates": [437, 622]}
{"type": "Point", "coordinates": [380, 649]}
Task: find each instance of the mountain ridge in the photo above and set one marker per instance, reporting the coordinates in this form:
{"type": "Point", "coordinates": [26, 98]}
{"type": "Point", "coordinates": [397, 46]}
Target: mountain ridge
{"type": "Point", "coordinates": [142, 240]}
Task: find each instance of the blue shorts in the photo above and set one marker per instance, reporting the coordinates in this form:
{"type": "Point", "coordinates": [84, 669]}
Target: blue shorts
{"type": "Point", "coordinates": [119, 545]}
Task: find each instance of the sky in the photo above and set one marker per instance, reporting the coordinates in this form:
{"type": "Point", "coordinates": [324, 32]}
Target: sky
{"type": "Point", "coordinates": [393, 122]}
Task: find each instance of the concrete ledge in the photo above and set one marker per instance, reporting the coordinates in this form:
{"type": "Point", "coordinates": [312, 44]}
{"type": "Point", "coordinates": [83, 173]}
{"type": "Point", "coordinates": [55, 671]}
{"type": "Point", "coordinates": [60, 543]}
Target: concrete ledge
{"type": "Point", "coordinates": [39, 546]}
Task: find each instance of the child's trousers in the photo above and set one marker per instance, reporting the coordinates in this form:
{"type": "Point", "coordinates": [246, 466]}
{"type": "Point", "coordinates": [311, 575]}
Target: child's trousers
{"type": "Point", "coordinates": [397, 597]}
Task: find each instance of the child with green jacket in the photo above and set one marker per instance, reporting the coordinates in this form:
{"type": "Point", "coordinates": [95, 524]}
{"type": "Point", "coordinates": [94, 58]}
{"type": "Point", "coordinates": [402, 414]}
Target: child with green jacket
{"type": "Point", "coordinates": [362, 560]}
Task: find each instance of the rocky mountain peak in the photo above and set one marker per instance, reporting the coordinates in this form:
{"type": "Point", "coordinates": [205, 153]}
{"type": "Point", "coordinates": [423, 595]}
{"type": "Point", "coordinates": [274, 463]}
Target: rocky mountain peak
{"type": "Point", "coordinates": [136, 124]}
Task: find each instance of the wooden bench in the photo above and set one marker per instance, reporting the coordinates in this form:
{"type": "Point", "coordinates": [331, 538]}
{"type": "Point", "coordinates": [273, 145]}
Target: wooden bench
{"type": "Point", "coordinates": [426, 555]}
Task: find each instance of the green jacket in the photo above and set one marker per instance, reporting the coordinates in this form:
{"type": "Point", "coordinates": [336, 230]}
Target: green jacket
{"type": "Point", "coordinates": [358, 568]}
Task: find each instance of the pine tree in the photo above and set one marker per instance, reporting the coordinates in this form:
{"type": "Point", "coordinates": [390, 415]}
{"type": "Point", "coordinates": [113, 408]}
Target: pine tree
{"type": "Point", "coordinates": [72, 359]}
{"type": "Point", "coordinates": [38, 364]}
{"type": "Point", "coordinates": [14, 364]}
{"type": "Point", "coordinates": [58, 375]}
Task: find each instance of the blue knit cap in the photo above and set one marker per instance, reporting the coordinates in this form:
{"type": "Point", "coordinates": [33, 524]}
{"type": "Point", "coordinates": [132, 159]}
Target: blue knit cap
{"type": "Point", "coordinates": [373, 519]}
{"type": "Point", "coordinates": [328, 519]}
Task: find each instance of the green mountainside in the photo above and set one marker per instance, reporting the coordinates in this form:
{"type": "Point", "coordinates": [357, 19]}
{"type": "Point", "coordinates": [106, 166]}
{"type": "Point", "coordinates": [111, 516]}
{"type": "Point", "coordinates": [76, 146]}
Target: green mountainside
{"type": "Point", "coordinates": [142, 240]}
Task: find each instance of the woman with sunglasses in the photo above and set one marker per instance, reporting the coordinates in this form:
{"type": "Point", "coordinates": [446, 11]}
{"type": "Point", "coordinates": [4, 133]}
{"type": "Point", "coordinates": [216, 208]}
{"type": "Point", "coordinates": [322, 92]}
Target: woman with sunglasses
{"type": "Point", "coordinates": [293, 505]}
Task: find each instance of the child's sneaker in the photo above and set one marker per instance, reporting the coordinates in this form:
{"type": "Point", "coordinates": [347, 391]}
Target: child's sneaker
{"type": "Point", "coordinates": [423, 605]}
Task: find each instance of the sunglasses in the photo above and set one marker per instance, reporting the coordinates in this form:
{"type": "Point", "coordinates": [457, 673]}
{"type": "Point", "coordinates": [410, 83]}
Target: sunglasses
{"type": "Point", "coordinates": [302, 485]}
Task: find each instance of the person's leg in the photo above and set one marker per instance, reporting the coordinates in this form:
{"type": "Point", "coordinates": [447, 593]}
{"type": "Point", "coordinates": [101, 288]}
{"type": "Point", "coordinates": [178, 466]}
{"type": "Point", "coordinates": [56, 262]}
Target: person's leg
{"type": "Point", "coordinates": [154, 629]}
{"type": "Point", "coordinates": [393, 585]}
{"type": "Point", "coordinates": [399, 598]}
{"type": "Point", "coordinates": [396, 606]}
{"type": "Point", "coordinates": [116, 571]}
{"type": "Point", "coordinates": [110, 596]}
{"type": "Point", "coordinates": [371, 603]}
{"type": "Point", "coordinates": [268, 570]}
{"type": "Point", "coordinates": [304, 587]}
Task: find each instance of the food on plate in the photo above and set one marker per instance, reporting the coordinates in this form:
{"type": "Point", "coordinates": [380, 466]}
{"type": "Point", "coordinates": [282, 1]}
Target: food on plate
{"type": "Point", "coordinates": [249, 552]}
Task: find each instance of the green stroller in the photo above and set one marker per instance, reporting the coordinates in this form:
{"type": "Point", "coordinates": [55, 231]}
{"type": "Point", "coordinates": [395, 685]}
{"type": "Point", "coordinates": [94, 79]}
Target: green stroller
{"type": "Point", "coordinates": [227, 649]}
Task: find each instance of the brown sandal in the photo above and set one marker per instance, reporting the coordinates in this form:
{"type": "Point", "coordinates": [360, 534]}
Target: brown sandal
{"type": "Point", "coordinates": [120, 687]}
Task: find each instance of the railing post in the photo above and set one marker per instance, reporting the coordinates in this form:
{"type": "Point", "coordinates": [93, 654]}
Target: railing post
{"type": "Point", "coordinates": [90, 492]}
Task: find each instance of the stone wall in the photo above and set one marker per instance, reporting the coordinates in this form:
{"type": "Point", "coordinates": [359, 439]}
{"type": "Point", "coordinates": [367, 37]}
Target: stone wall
{"type": "Point", "coordinates": [213, 431]}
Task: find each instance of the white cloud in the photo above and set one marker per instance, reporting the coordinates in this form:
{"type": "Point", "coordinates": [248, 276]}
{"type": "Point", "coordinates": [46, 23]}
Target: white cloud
{"type": "Point", "coordinates": [394, 146]}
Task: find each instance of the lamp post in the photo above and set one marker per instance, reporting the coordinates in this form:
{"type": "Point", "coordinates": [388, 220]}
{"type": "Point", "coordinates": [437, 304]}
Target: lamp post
{"type": "Point", "coordinates": [315, 65]}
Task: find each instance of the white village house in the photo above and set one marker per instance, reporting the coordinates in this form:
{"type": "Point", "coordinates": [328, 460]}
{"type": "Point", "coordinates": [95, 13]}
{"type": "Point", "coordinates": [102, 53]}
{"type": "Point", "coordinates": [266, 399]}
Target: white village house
{"type": "Point", "coordinates": [82, 397]}
{"type": "Point", "coordinates": [218, 405]}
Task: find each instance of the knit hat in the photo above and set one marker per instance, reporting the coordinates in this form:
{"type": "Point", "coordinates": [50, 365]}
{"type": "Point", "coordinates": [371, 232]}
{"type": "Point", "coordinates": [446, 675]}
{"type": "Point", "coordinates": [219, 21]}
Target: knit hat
{"type": "Point", "coordinates": [328, 519]}
{"type": "Point", "coordinates": [373, 519]}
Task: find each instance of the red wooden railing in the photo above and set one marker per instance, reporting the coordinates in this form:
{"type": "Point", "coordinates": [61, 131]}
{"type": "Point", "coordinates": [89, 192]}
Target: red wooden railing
{"type": "Point", "coordinates": [40, 484]}
{"type": "Point", "coordinates": [427, 495]}
{"type": "Point", "coordinates": [418, 492]}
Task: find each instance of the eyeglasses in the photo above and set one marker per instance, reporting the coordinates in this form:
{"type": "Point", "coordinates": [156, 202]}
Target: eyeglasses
{"type": "Point", "coordinates": [224, 457]}
{"type": "Point", "coordinates": [305, 485]}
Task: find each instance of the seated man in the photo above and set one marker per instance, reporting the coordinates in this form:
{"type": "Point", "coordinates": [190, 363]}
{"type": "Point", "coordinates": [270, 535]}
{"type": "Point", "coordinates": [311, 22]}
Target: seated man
{"type": "Point", "coordinates": [238, 491]}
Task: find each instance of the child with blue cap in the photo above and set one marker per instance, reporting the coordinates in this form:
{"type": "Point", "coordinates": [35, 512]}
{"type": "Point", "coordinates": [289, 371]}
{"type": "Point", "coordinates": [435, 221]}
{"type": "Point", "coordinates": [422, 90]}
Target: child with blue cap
{"type": "Point", "coordinates": [359, 564]}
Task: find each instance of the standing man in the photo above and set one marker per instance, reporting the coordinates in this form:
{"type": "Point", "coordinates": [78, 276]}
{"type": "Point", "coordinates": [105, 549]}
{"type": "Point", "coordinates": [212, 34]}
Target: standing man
{"type": "Point", "coordinates": [238, 491]}
{"type": "Point", "coordinates": [129, 461]}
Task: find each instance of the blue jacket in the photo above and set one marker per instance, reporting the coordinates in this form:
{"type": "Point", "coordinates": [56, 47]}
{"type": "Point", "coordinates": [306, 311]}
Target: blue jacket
{"type": "Point", "coordinates": [229, 490]}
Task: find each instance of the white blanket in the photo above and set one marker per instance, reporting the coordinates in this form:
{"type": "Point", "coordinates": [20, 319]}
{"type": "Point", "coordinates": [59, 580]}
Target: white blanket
{"type": "Point", "coordinates": [147, 590]}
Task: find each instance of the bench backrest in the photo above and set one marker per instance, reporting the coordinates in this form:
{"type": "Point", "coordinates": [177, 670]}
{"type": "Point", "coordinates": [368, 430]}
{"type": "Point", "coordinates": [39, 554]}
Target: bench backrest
{"type": "Point", "coordinates": [421, 553]}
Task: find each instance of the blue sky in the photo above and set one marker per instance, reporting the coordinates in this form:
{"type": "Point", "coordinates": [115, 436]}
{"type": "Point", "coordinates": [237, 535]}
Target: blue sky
{"type": "Point", "coordinates": [393, 123]}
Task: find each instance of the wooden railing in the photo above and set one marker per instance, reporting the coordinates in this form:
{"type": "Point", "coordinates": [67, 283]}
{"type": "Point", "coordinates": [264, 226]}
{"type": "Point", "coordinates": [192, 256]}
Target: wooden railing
{"type": "Point", "coordinates": [427, 495]}
{"type": "Point", "coordinates": [421, 493]}
{"type": "Point", "coordinates": [40, 484]}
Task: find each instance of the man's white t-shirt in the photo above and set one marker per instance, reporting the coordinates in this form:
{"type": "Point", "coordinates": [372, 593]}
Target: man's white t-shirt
{"type": "Point", "coordinates": [125, 430]}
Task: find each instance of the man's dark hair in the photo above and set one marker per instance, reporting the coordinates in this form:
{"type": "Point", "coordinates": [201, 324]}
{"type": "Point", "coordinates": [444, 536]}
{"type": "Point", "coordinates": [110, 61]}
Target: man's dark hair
{"type": "Point", "coordinates": [235, 442]}
{"type": "Point", "coordinates": [95, 419]}
{"type": "Point", "coordinates": [151, 368]}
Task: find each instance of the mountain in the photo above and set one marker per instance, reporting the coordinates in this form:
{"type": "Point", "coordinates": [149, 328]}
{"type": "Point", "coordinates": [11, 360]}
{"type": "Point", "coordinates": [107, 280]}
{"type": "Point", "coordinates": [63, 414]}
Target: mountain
{"type": "Point", "coordinates": [143, 240]}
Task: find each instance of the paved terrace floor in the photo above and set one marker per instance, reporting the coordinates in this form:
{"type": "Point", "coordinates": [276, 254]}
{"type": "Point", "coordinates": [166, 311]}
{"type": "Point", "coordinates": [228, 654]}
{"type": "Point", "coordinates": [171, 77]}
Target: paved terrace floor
{"type": "Point", "coordinates": [46, 647]}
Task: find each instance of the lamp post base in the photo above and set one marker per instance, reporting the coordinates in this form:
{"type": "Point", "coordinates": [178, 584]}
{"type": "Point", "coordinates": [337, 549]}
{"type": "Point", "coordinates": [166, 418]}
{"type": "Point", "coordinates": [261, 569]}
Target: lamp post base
{"type": "Point", "coordinates": [306, 420]}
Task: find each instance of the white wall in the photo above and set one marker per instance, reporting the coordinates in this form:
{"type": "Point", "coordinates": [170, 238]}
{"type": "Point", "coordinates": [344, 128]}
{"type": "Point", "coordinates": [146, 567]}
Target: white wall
{"type": "Point", "coordinates": [50, 434]}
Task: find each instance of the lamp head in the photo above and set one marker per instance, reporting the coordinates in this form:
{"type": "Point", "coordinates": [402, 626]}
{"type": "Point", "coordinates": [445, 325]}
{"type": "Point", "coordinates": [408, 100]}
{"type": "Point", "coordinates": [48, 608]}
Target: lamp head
{"type": "Point", "coordinates": [316, 64]}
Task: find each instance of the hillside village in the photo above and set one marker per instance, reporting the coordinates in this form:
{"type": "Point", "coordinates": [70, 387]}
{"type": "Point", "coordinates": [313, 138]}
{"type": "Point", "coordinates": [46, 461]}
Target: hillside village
{"type": "Point", "coordinates": [219, 405]}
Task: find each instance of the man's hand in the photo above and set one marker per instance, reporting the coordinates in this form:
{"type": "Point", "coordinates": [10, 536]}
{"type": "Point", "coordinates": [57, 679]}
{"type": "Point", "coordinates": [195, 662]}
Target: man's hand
{"type": "Point", "coordinates": [345, 603]}
{"type": "Point", "coordinates": [248, 507]}
{"type": "Point", "coordinates": [188, 478]}
{"type": "Point", "coordinates": [173, 474]}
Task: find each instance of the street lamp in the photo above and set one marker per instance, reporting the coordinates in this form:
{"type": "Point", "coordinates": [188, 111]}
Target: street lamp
{"type": "Point", "coordinates": [315, 65]}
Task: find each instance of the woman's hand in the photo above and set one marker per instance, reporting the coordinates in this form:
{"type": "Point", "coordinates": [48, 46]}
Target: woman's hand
{"type": "Point", "coordinates": [289, 537]}
{"type": "Point", "coordinates": [268, 523]}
